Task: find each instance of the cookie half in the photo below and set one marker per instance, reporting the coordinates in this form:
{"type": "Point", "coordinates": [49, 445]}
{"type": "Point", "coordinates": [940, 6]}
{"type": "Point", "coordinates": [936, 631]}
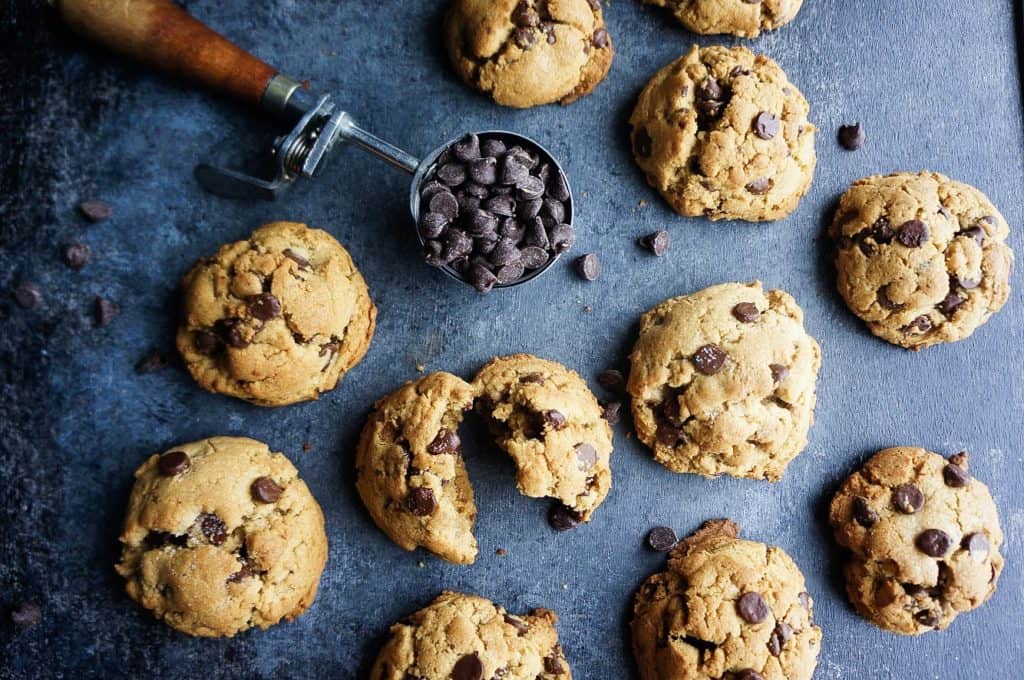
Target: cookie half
{"type": "Point", "coordinates": [222, 535]}
{"type": "Point", "coordinates": [745, 18]}
{"type": "Point", "coordinates": [546, 418]}
{"type": "Point", "coordinates": [526, 53]}
{"type": "Point", "coordinates": [924, 539]}
{"type": "Point", "coordinates": [277, 318]}
{"type": "Point", "coordinates": [409, 468]}
{"type": "Point", "coordinates": [721, 132]}
{"type": "Point", "coordinates": [723, 381]}
{"type": "Point", "coordinates": [465, 637]}
{"type": "Point", "coordinates": [725, 608]}
{"type": "Point", "coordinates": [921, 258]}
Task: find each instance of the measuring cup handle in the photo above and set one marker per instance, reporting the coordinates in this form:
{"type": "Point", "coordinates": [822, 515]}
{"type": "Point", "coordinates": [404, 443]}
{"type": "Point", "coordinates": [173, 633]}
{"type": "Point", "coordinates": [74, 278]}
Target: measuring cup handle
{"type": "Point", "coordinates": [163, 35]}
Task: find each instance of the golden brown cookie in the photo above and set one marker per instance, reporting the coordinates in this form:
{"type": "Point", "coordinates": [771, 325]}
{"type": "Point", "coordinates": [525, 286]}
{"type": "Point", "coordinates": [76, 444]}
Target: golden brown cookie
{"type": "Point", "coordinates": [409, 468]}
{"type": "Point", "coordinates": [221, 535]}
{"type": "Point", "coordinates": [723, 381]}
{"type": "Point", "coordinates": [465, 637]}
{"type": "Point", "coordinates": [546, 418]}
{"type": "Point", "coordinates": [745, 18]}
{"type": "Point", "coordinates": [924, 539]}
{"type": "Point", "coordinates": [721, 132]}
{"type": "Point", "coordinates": [725, 608]}
{"type": "Point", "coordinates": [525, 53]}
{"type": "Point", "coordinates": [921, 258]}
{"type": "Point", "coordinates": [275, 319]}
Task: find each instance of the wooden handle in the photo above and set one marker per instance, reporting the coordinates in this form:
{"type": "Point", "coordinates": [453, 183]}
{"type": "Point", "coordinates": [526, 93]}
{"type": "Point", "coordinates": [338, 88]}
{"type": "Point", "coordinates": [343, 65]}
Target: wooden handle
{"type": "Point", "coordinates": [161, 34]}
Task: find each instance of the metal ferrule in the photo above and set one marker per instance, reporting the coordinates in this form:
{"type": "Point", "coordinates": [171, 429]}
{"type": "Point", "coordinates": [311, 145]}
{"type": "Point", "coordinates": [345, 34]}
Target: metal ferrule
{"type": "Point", "coordinates": [285, 97]}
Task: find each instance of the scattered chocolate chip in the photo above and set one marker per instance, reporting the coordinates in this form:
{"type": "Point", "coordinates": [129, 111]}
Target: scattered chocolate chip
{"type": "Point", "coordinates": [104, 311]}
{"type": "Point", "coordinates": [612, 380]}
{"type": "Point", "coordinates": [709, 359]}
{"type": "Point", "coordinates": [610, 411]}
{"type": "Point", "coordinates": [28, 295]}
{"type": "Point", "coordinates": [662, 539]}
{"type": "Point", "coordinates": [657, 242]}
{"type": "Point", "coordinates": [779, 372]}
{"type": "Point", "coordinates": [96, 210]}
{"type": "Point", "coordinates": [752, 608]}
{"type": "Point", "coordinates": [301, 261]}
{"type": "Point", "coordinates": [759, 186]}
{"type": "Point", "coordinates": [766, 125]}
{"type": "Point", "coordinates": [468, 667]}
{"type": "Point", "coordinates": [263, 306]}
{"type": "Point", "coordinates": [913, 234]}
{"type": "Point", "coordinates": [445, 442]}
{"type": "Point", "coordinates": [955, 476]}
{"type": "Point", "coordinates": [600, 38]}
{"type": "Point", "coordinates": [586, 456]}
{"type": "Point", "coordinates": [173, 463]}
{"type": "Point", "coordinates": [933, 542]}
{"type": "Point", "coordinates": [851, 137]}
{"type": "Point", "coordinates": [26, 615]}
{"type": "Point", "coordinates": [643, 145]}
{"type": "Point", "coordinates": [779, 637]}
{"type": "Point", "coordinates": [588, 267]}
{"type": "Point", "coordinates": [746, 312]}
{"type": "Point", "coordinates": [908, 499]}
{"type": "Point", "coordinates": [265, 490]}
{"type": "Point", "coordinates": [213, 528]}
{"type": "Point", "coordinates": [152, 362]}
{"type": "Point", "coordinates": [977, 545]}
{"type": "Point", "coordinates": [77, 255]}
{"type": "Point", "coordinates": [562, 517]}
{"type": "Point", "coordinates": [863, 513]}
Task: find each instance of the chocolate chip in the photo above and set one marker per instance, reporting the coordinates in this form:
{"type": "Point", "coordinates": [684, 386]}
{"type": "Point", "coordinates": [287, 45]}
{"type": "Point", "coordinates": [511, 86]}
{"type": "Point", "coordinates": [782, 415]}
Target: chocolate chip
{"type": "Point", "coordinates": [301, 261]}
{"type": "Point", "coordinates": [960, 458]}
{"type": "Point", "coordinates": [482, 278]}
{"type": "Point", "coordinates": [851, 137]}
{"type": "Point", "coordinates": [975, 232]}
{"type": "Point", "coordinates": [586, 456]}
{"type": "Point", "coordinates": [759, 186]}
{"type": "Point", "coordinates": [531, 379]}
{"type": "Point", "coordinates": [432, 225]}
{"type": "Point", "coordinates": [951, 302]}
{"type": "Point", "coordinates": [420, 501]}
{"type": "Point", "coordinates": [445, 442]}
{"type": "Point", "coordinates": [96, 210]}
{"type": "Point", "coordinates": [525, 38]}
{"type": "Point", "coordinates": [656, 242]}
{"type": "Point", "coordinates": [977, 545]}
{"type": "Point", "coordinates": [779, 637]}
{"type": "Point", "coordinates": [913, 234]}
{"type": "Point", "coordinates": [779, 372]}
{"type": "Point", "coordinates": [863, 513]}
{"type": "Point", "coordinates": [263, 306]}
{"type": "Point", "coordinates": [965, 283]}
{"type": "Point", "coordinates": [505, 252]}
{"type": "Point", "coordinates": [662, 539]}
{"type": "Point", "coordinates": [513, 170]}
{"type": "Point", "coordinates": [752, 608]}
{"type": "Point", "coordinates": [457, 244]}
{"type": "Point", "coordinates": [152, 362]}
{"type": "Point", "coordinates": [452, 174]}
{"type": "Point", "coordinates": [612, 380]}
{"type": "Point", "coordinates": [643, 145]}
{"type": "Point", "coordinates": [588, 267]}
{"type": "Point", "coordinates": [524, 15]}
{"type": "Point", "coordinates": [104, 311]}
{"type": "Point", "coordinates": [921, 324]}
{"type": "Point", "coordinates": [562, 517]}
{"type": "Point", "coordinates": [502, 206]}
{"type": "Point", "coordinates": [28, 295]}
{"type": "Point", "coordinates": [709, 359]}
{"type": "Point", "coordinates": [26, 615]}
{"type": "Point", "coordinates": [492, 147]}
{"type": "Point", "coordinates": [557, 187]}
{"type": "Point", "coordinates": [561, 237]}
{"type": "Point", "coordinates": [709, 89]}
{"type": "Point", "coordinates": [746, 312]}
{"type": "Point", "coordinates": [468, 667]}
{"type": "Point", "coordinates": [600, 38]}
{"type": "Point", "coordinates": [908, 499]}
{"type": "Point", "coordinates": [610, 412]}
{"type": "Point", "coordinates": [529, 188]}
{"type": "Point", "coordinates": [882, 231]}
{"type": "Point", "coordinates": [206, 342]}
{"type": "Point", "coordinates": [173, 463]}
{"type": "Point", "coordinates": [230, 334]}
{"type": "Point", "coordinates": [749, 673]}
{"type": "Point", "coordinates": [245, 572]}
{"type": "Point", "coordinates": [521, 627]}
{"type": "Point", "coordinates": [77, 255]}
{"type": "Point", "coordinates": [533, 257]}
{"type": "Point", "coordinates": [265, 490]}
{"type": "Point", "coordinates": [553, 209]}
{"type": "Point", "coordinates": [213, 528]}
{"type": "Point", "coordinates": [926, 617]}
{"type": "Point", "coordinates": [933, 542]}
{"type": "Point", "coordinates": [467, 148]}
{"type": "Point", "coordinates": [955, 476]}
{"type": "Point", "coordinates": [766, 125]}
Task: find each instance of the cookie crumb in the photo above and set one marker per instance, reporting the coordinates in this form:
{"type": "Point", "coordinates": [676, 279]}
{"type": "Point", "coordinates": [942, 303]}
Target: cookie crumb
{"type": "Point", "coordinates": [152, 362]}
{"type": "Point", "coordinates": [307, 447]}
{"type": "Point", "coordinates": [587, 309]}
{"type": "Point", "coordinates": [420, 368]}
{"type": "Point", "coordinates": [420, 564]}
{"type": "Point", "coordinates": [500, 552]}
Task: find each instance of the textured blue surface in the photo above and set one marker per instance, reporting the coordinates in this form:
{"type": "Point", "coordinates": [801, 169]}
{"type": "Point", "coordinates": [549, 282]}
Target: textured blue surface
{"type": "Point", "coordinates": [936, 86]}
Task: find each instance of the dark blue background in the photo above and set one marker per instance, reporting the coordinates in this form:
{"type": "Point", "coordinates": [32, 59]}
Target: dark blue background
{"type": "Point", "coordinates": [936, 85]}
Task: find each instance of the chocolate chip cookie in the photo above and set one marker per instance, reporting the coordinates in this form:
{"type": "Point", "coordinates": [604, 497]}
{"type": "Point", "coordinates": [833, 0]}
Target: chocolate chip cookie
{"type": "Point", "coordinates": [725, 608]}
{"type": "Point", "coordinates": [409, 468]}
{"type": "Point", "coordinates": [465, 637]}
{"type": "Point", "coordinates": [277, 318]}
{"type": "Point", "coordinates": [924, 539]}
{"type": "Point", "coordinates": [723, 381]}
{"type": "Point", "coordinates": [525, 53]}
{"type": "Point", "coordinates": [546, 418]}
{"type": "Point", "coordinates": [921, 258]}
{"type": "Point", "coordinates": [721, 132]}
{"type": "Point", "coordinates": [745, 18]}
{"type": "Point", "coordinates": [221, 535]}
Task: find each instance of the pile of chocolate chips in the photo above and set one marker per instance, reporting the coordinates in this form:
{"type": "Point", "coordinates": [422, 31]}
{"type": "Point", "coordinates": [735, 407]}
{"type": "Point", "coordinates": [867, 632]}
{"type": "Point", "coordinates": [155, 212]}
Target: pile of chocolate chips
{"type": "Point", "coordinates": [493, 214]}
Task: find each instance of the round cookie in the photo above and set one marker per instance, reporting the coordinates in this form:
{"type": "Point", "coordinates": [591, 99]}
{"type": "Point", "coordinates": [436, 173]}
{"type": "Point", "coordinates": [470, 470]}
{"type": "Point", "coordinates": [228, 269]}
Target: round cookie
{"type": "Point", "coordinates": [725, 608]}
{"type": "Point", "coordinates": [526, 53]}
{"type": "Point", "coordinates": [221, 535]}
{"type": "Point", "coordinates": [465, 637]}
{"type": "Point", "coordinates": [409, 468]}
{"type": "Point", "coordinates": [546, 418]}
{"type": "Point", "coordinates": [921, 258]}
{"type": "Point", "coordinates": [924, 537]}
{"type": "Point", "coordinates": [745, 18]}
{"type": "Point", "coordinates": [723, 381]}
{"type": "Point", "coordinates": [721, 132]}
{"type": "Point", "coordinates": [275, 319]}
